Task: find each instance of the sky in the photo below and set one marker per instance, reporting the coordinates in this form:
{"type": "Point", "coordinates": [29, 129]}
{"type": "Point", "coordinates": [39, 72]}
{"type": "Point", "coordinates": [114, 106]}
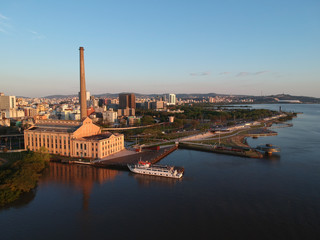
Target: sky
{"type": "Point", "coordinates": [160, 46]}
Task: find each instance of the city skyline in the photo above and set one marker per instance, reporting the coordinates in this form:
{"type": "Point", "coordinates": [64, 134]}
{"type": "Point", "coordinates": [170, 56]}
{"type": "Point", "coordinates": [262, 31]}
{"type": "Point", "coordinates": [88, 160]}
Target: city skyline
{"type": "Point", "coordinates": [154, 47]}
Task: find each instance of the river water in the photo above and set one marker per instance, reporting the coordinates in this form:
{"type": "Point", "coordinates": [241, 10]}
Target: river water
{"type": "Point", "coordinates": [220, 196]}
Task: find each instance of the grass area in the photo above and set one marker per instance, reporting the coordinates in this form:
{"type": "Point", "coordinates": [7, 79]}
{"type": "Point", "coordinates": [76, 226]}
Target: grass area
{"type": "Point", "coordinates": [147, 139]}
{"type": "Point", "coordinates": [225, 142]}
{"type": "Point", "coordinates": [170, 136]}
{"type": "Point", "coordinates": [161, 144]}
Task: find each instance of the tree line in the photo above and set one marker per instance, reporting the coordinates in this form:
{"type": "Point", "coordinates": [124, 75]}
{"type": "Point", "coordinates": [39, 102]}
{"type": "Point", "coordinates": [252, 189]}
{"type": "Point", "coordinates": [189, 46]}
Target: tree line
{"type": "Point", "coordinates": [20, 176]}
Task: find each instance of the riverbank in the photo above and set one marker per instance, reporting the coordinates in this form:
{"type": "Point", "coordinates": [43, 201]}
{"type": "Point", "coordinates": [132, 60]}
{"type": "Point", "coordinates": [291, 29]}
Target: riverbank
{"type": "Point", "coordinates": [21, 176]}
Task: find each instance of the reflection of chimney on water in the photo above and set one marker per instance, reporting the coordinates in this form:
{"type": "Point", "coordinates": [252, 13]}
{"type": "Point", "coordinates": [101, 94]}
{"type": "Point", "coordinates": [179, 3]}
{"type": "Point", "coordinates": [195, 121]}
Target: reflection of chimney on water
{"type": "Point", "coordinates": [78, 176]}
{"type": "Point", "coordinates": [83, 97]}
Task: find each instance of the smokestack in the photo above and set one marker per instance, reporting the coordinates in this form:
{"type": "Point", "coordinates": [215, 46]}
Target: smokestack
{"type": "Point", "coordinates": [83, 97]}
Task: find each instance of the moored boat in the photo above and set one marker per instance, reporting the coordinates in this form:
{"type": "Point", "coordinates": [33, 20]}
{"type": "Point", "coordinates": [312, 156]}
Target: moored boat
{"type": "Point", "coordinates": [147, 168]}
{"type": "Point", "coordinates": [268, 148]}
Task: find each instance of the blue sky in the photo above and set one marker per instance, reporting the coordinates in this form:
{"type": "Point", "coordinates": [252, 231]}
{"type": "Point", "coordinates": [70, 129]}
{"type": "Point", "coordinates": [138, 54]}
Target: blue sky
{"type": "Point", "coordinates": [160, 46]}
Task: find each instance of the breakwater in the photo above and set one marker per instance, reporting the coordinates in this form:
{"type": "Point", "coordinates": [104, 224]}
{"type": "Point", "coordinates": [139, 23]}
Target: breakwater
{"type": "Point", "coordinates": [242, 152]}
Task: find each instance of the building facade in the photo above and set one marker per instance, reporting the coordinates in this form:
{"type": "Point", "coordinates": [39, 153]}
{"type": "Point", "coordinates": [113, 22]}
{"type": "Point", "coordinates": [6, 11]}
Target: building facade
{"type": "Point", "coordinates": [127, 100]}
{"type": "Point", "coordinates": [158, 105]}
{"type": "Point", "coordinates": [7, 102]}
{"type": "Point", "coordinates": [72, 138]}
{"type": "Point", "coordinates": [172, 99]}
{"type": "Point", "coordinates": [8, 107]}
{"type": "Point", "coordinates": [126, 112]}
{"type": "Point", "coordinates": [110, 116]}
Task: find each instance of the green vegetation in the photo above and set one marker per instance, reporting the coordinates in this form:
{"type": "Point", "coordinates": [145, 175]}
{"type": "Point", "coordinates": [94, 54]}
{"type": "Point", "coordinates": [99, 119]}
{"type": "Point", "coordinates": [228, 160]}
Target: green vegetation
{"type": "Point", "coordinates": [195, 119]}
{"type": "Point", "coordinates": [13, 156]}
{"type": "Point", "coordinates": [20, 176]}
{"type": "Point", "coordinates": [147, 120]}
{"type": "Point", "coordinates": [195, 114]}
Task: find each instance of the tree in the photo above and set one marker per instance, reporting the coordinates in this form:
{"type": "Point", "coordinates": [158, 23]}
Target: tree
{"type": "Point", "coordinates": [22, 175]}
{"type": "Point", "coordinates": [147, 120]}
{"type": "Point", "coordinates": [194, 123]}
{"type": "Point", "coordinates": [178, 123]}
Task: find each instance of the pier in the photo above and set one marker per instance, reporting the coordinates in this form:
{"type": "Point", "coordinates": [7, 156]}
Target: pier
{"type": "Point", "coordinates": [153, 156]}
{"type": "Point", "coordinates": [242, 152]}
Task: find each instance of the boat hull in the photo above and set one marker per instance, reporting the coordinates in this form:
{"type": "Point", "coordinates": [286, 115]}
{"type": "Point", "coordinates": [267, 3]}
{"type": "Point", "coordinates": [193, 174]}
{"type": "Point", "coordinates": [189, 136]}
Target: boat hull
{"type": "Point", "coordinates": [149, 171]}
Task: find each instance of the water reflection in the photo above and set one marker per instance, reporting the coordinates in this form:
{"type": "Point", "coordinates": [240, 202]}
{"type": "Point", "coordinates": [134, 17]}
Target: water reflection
{"type": "Point", "coordinates": [148, 180]}
{"type": "Point", "coordinates": [274, 157]}
{"type": "Point", "coordinates": [22, 201]}
{"type": "Point", "coordinates": [80, 177]}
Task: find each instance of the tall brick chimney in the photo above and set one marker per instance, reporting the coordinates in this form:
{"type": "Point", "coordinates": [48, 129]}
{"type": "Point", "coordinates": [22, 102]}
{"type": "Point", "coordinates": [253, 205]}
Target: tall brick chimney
{"type": "Point", "coordinates": [83, 92]}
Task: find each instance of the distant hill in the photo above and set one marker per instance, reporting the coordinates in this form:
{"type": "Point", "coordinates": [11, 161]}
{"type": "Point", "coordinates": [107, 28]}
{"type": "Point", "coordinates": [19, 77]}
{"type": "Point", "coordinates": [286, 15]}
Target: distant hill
{"type": "Point", "coordinates": [273, 98]}
{"type": "Point", "coordinates": [60, 96]}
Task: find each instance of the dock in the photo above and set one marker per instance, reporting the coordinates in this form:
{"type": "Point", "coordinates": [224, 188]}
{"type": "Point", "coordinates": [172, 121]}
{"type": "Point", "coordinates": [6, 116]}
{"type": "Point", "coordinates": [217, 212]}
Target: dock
{"type": "Point", "coordinates": [120, 163]}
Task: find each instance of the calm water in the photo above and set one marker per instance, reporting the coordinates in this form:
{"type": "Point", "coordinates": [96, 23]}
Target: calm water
{"type": "Point", "coordinates": [220, 197]}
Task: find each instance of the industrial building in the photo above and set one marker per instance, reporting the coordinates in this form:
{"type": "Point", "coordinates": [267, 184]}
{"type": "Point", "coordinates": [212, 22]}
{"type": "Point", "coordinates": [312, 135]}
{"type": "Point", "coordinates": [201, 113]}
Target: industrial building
{"type": "Point", "coordinates": [72, 138]}
{"type": "Point", "coordinates": [81, 139]}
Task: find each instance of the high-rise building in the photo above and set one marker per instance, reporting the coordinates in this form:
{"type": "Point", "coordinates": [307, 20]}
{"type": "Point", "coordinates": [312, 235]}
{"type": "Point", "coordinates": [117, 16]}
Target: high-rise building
{"type": "Point", "coordinates": [172, 99]}
{"type": "Point", "coordinates": [164, 97]}
{"type": "Point", "coordinates": [7, 102]}
{"type": "Point", "coordinates": [127, 100]}
{"type": "Point", "coordinates": [8, 106]}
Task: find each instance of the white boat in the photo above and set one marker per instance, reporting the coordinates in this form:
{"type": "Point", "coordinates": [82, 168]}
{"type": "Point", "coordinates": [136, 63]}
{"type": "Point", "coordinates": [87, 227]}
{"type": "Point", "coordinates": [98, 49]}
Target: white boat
{"type": "Point", "coordinates": [155, 170]}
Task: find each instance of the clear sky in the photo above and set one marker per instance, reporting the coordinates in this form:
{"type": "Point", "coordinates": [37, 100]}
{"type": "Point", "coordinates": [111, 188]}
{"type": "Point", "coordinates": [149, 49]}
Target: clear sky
{"type": "Point", "coordinates": [160, 46]}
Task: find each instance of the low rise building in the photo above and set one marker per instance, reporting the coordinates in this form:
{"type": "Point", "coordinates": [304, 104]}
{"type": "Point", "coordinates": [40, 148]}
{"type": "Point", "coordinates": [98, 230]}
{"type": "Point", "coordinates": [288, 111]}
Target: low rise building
{"type": "Point", "coordinates": [110, 116]}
